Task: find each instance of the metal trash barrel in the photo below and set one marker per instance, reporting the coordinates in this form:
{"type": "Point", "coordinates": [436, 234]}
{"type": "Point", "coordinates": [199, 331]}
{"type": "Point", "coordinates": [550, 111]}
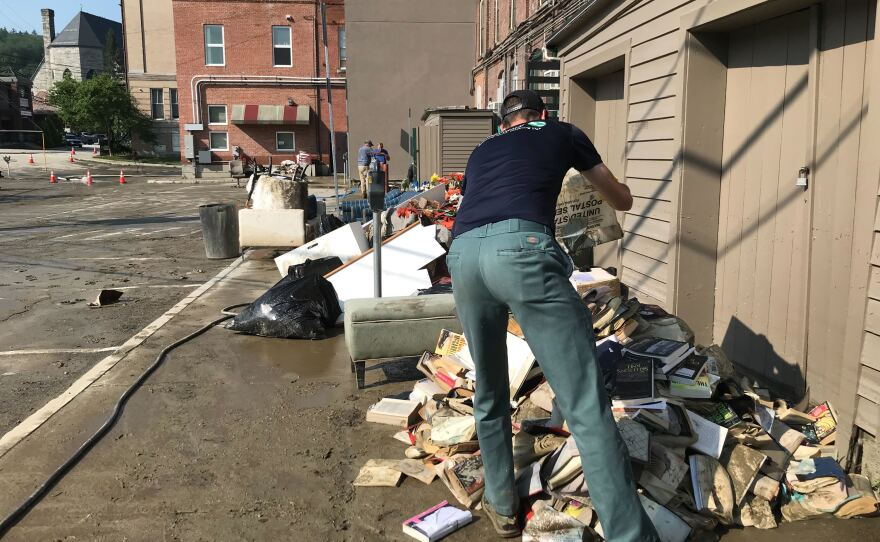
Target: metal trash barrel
{"type": "Point", "coordinates": [220, 230]}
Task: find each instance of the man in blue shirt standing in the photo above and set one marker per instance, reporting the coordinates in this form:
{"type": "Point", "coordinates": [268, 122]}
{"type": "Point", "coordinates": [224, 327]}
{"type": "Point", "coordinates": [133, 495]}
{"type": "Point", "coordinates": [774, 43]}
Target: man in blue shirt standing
{"type": "Point", "coordinates": [505, 257]}
{"type": "Point", "coordinates": [365, 155]}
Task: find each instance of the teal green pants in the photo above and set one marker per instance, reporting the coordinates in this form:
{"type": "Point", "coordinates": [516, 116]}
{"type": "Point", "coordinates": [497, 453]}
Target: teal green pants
{"type": "Point", "coordinates": [517, 265]}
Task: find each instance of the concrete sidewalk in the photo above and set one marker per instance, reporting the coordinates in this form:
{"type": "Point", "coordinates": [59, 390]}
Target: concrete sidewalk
{"type": "Point", "coordinates": [241, 438]}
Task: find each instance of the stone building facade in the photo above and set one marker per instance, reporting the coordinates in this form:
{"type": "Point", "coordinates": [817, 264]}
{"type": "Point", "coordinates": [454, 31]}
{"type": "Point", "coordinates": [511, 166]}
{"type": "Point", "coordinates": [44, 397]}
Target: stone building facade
{"type": "Point", "coordinates": [78, 49]}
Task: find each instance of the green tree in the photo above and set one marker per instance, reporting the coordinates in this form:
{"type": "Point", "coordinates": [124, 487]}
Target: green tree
{"type": "Point", "coordinates": [101, 104]}
{"type": "Point", "coordinates": [112, 56]}
{"type": "Point", "coordinates": [20, 51]}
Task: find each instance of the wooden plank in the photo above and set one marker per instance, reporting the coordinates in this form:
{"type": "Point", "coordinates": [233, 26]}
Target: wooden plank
{"type": "Point", "coordinates": [660, 67]}
{"type": "Point", "coordinates": [871, 351]}
{"type": "Point", "coordinates": [651, 248]}
{"type": "Point", "coordinates": [652, 150]}
{"type": "Point", "coordinates": [874, 284]}
{"type": "Point", "coordinates": [645, 265]}
{"type": "Point", "coordinates": [655, 48]}
{"type": "Point", "coordinates": [663, 87]}
{"type": "Point", "coordinates": [647, 227]}
{"type": "Point", "coordinates": [868, 415]}
{"type": "Point", "coordinates": [872, 317]}
{"type": "Point", "coordinates": [654, 208]}
{"type": "Point", "coordinates": [869, 384]}
{"type": "Point", "coordinates": [641, 283]}
{"type": "Point", "coordinates": [652, 130]}
{"type": "Point", "coordinates": [651, 189]}
{"type": "Point", "coordinates": [658, 170]}
{"type": "Point", "coordinates": [657, 109]}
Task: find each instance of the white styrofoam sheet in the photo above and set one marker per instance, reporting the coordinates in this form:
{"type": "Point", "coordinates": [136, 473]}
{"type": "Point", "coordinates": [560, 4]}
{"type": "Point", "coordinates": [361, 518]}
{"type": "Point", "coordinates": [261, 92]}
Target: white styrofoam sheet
{"type": "Point", "coordinates": [402, 261]}
{"type": "Point", "coordinates": [271, 227]}
{"type": "Point", "coordinates": [345, 243]}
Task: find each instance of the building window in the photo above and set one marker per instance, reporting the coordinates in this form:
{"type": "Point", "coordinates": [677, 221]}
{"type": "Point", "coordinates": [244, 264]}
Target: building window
{"type": "Point", "coordinates": [284, 141]}
{"type": "Point", "coordinates": [215, 51]}
{"type": "Point", "coordinates": [175, 141]}
{"type": "Point", "coordinates": [512, 14]}
{"type": "Point", "coordinates": [175, 110]}
{"type": "Point", "coordinates": [282, 52]}
{"type": "Point", "coordinates": [218, 141]}
{"type": "Point", "coordinates": [343, 54]}
{"type": "Point", "coordinates": [481, 36]}
{"type": "Point", "coordinates": [157, 103]}
{"type": "Point", "coordinates": [216, 114]}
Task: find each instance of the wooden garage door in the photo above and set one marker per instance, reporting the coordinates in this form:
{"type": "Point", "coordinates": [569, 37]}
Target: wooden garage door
{"type": "Point", "coordinates": [762, 257]}
{"type": "Point", "coordinates": [610, 141]}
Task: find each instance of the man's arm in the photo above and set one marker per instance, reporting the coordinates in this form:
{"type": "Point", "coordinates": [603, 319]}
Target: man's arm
{"type": "Point", "coordinates": [616, 193]}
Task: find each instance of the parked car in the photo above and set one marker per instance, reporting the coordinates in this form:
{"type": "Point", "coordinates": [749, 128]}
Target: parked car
{"type": "Point", "coordinates": [93, 139]}
{"type": "Point", "coordinates": [72, 140]}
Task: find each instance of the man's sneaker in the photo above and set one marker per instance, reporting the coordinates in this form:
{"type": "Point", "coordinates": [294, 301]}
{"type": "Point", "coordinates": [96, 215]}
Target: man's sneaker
{"type": "Point", "coordinates": [505, 526]}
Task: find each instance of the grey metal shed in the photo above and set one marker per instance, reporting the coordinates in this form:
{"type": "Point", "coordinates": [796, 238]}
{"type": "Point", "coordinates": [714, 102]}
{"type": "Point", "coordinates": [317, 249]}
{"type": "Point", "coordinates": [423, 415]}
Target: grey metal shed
{"type": "Point", "coordinates": [447, 137]}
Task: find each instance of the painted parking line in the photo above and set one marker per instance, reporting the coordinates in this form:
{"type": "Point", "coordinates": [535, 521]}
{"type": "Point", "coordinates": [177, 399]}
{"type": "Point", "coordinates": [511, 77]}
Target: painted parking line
{"type": "Point", "coordinates": [141, 286]}
{"type": "Point", "coordinates": [38, 418]}
{"type": "Point", "coordinates": [34, 352]}
{"type": "Point", "coordinates": [113, 234]}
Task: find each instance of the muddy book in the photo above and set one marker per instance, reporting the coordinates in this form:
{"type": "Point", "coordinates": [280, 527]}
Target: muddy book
{"type": "Point", "coordinates": [436, 522]}
{"type": "Point", "coordinates": [463, 475]}
{"type": "Point", "coordinates": [634, 381]}
{"type": "Point", "coordinates": [668, 353]}
{"type": "Point", "coordinates": [393, 412]}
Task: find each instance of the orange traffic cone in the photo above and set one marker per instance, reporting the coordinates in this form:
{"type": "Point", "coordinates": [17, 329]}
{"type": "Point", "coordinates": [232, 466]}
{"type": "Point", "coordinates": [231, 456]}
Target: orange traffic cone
{"type": "Point", "coordinates": [70, 158]}
{"type": "Point", "coordinates": [73, 151]}
{"type": "Point", "coordinates": [121, 177]}
{"type": "Point", "coordinates": [52, 179]}
{"type": "Point", "coordinates": [89, 177]}
{"type": "Point", "coordinates": [31, 159]}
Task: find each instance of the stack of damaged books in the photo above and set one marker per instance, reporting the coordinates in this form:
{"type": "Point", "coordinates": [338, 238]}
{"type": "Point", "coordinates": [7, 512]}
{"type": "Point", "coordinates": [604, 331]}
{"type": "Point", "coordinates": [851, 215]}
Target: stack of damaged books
{"type": "Point", "coordinates": [708, 447]}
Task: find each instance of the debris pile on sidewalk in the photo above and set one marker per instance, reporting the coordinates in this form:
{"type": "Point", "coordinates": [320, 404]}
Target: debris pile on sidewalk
{"type": "Point", "coordinates": [707, 446]}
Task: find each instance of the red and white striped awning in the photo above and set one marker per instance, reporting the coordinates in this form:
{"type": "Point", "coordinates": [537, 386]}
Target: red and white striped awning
{"type": "Point", "coordinates": [270, 114]}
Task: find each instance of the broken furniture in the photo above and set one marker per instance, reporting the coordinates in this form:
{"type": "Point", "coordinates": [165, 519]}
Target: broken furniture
{"type": "Point", "coordinates": [378, 330]}
{"type": "Point", "coordinates": [261, 228]}
{"type": "Point", "coordinates": [345, 243]}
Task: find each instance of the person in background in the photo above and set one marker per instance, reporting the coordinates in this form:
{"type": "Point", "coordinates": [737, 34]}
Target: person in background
{"type": "Point", "coordinates": [504, 257]}
{"type": "Point", "coordinates": [365, 156]}
{"type": "Point", "coordinates": [382, 158]}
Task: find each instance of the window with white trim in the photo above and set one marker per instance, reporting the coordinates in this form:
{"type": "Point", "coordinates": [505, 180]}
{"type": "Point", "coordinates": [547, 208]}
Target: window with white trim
{"type": "Point", "coordinates": [215, 45]}
{"type": "Point", "coordinates": [512, 14]}
{"type": "Point", "coordinates": [218, 141]}
{"type": "Point", "coordinates": [157, 104]}
{"type": "Point", "coordinates": [282, 50]}
{"type": "Point", "coordinates": [285, 141]}
{"type": "Point", "coordinates": [343, 53]}
{"type": "Point", "coordinates": [216, 114]}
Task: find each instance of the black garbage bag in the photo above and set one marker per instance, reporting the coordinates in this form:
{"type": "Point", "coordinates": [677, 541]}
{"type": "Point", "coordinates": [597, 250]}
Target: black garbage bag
{"type": "Point", "coordinates": [313, 267]}
{"type": "Point", "coordinates": [328, 224]}
{"type": "Point", "coordinates": [292, 309]}
{"type": "Point", "coordinates": [312, 207]}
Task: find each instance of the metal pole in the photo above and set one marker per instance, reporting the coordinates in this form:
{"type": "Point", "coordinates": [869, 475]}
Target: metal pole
{"type": "Point", "coordinates": [330, 103]}
{"type": "Point", "coordinates": [377, 254]}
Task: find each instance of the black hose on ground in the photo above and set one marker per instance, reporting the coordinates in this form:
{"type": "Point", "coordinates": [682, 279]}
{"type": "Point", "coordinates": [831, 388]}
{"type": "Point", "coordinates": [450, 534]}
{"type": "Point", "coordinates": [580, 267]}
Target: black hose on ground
{"type": "Point", "coordinates": [19, 513]}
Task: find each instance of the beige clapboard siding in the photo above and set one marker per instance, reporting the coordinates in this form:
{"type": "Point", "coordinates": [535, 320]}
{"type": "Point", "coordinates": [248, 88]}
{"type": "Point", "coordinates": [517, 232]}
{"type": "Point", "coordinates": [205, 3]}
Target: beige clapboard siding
{"type": "Point", "coordinates": [868, 415]}
{"type": "Point", "coordinates": [649, 267]}
{"type": "Point", "coordinates": [651, 248]}
{"type": "Point", "coordinates": [653, 129]}
{"type": "Point", "coordinates": [657, 170]}
{"type": "Point", "coordinates": [662, 87]}
{"type": "Point", "coordinates": [874, 285]}
{"type": "Point", "coordinates": [869, 384]}
{"type": "Point", "coordinates": [652, 19]}
{"type": "Point", "coordinates": [647, 227]}
{"type": "Point", "coordinates": [871, 351]}
{"type": "Point", "coordinates": [659, 67]}
{"type": "Point", "coordinates": [654, 109]}
{"type": "Point", "coordinates": [663, 149]}
{"type": "Point", "coordinates": [872, 317]}
{"type": "Point", "coordinates": [644, 284]}
{"type": "Point", "coordinates": [655, 48]}
{"type": "Point", "coordinates": [651, 189]}
{"type": "Point", "coordinates": [655, 208]}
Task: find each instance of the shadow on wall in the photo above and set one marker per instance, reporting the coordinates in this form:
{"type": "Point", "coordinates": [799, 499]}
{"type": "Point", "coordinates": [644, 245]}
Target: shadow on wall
{"type": "Point", "coordinates": [754, 353]}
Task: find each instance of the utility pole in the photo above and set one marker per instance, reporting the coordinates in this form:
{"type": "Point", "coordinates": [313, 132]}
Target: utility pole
{"type": "Point", "coordinates": [330, 103]}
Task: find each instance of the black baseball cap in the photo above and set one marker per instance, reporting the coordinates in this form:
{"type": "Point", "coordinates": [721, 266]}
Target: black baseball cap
{"type": "Point", "coordinates": [528, 99]}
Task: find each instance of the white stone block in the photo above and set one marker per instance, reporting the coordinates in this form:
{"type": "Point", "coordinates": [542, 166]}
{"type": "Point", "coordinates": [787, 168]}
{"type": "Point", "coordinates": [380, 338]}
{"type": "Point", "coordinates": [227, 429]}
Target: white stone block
{"type": "Point", "coordinates": [271, 227]}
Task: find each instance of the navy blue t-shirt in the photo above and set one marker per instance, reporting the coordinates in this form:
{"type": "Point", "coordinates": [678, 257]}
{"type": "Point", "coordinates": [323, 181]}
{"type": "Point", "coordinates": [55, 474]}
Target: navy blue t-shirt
{"type": "Point", "coordinates": [518, 173]}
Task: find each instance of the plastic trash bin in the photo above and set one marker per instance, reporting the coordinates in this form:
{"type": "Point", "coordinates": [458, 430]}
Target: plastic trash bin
{"type": "Point", "coordinates": [220, 230]}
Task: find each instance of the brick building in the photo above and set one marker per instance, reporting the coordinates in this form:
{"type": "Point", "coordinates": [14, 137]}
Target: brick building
{"type": "Point", "coordinates": [251, 73]}
{"type": "Point", "coordinates": [510, 48]}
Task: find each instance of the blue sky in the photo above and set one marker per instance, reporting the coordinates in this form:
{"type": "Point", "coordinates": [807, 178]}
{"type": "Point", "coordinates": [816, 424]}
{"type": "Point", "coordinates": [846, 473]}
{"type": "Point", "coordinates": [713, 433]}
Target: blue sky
{"type": "Point", "coordinates": [25, 15]}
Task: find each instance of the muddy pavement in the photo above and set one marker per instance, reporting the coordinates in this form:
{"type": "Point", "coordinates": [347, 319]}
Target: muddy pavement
{"type": "Point", "coordinates": [59, 245]}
